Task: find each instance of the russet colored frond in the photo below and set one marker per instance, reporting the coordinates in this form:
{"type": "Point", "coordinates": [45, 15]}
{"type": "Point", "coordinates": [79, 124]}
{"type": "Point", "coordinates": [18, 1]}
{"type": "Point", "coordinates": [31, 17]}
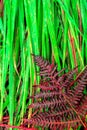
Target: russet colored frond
{"type": "Point", "coordinates": [61, 95]}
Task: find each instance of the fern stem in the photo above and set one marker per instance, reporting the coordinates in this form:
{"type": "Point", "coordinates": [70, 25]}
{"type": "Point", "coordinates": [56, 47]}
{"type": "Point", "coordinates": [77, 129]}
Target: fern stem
{"type": "Point", "coordinates": [65, 97]}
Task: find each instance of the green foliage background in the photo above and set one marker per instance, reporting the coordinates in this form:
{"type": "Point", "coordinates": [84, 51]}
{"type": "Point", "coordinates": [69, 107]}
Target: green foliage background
{"type": "Point", "coordinates": [54, 29]}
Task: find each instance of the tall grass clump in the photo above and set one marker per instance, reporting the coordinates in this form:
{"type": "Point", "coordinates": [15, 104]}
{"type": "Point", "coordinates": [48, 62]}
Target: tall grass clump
{"type": "Point", "coordinates": [53, 29]}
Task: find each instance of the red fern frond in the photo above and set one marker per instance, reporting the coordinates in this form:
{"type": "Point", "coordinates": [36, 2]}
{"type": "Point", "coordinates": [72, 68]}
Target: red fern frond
{"type": "Point", "coordinates": [62, 95]}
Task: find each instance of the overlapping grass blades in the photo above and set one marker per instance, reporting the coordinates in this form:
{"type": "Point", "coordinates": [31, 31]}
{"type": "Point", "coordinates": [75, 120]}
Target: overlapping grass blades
{"type": "Point", "coordinates": [53, 29]}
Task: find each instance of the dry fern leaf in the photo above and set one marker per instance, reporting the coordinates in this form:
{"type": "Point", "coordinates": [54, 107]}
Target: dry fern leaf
{"type": "Point", "coordinates": [61, 97]}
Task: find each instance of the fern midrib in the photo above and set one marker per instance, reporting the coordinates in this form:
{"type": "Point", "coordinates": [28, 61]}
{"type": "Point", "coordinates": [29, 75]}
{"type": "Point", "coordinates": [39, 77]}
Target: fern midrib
{"type": "Point", "coordinates": [65, 97]}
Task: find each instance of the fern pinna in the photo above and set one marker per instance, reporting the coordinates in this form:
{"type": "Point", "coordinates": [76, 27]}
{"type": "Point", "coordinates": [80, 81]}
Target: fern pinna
{"type": "Point", "coordinates": [61, 102]}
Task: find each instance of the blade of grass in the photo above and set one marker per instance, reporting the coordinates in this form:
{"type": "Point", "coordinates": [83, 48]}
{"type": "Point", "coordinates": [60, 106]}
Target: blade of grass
{"type": "Point", "coordinates": [84, 23]}
{"type": "Point", "coordinates": [47, 8]}
{"type": "Point", "coordinates": [4, 66]}
{"type": "Point", "coordinates": [71, 55]}
{"type": "Point", "coordinates": [10, 33]}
